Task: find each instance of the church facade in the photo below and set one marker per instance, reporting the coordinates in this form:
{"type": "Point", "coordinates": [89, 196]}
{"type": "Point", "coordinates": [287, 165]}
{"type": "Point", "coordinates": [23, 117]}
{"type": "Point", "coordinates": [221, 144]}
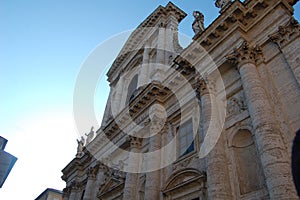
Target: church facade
{"type": "Point", "coordinates": [214, 120]}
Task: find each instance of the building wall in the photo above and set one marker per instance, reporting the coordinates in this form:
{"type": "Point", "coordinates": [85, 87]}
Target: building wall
{"type": "Point", "coordinates": [251, 66]}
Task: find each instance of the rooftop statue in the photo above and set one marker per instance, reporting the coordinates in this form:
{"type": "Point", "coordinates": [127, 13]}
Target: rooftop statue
{"type": "Point", "coordinates": [221, 3]}
{"type": "Point", "coordinates": [90, 135]}
{"type": "Point", "coordinates": [198, 24]}
{"type": "Point", "coordinates": [80, 146]}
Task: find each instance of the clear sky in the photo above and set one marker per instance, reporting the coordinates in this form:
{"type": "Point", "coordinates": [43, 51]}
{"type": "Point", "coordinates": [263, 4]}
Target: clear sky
{"type": "Point", "coordinates": [42, 47]}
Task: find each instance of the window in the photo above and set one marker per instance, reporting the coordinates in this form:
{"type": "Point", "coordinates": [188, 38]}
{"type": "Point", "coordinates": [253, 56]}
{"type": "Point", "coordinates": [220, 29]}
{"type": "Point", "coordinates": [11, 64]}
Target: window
{"type": "Point", "coordinates": [185, 138]}
{"type": "Point", "coordinates": [131, 88]}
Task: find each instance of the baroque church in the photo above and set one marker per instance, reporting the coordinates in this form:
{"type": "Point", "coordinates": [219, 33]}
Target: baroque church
{"type": "Point", "coordinates": [214, 120]}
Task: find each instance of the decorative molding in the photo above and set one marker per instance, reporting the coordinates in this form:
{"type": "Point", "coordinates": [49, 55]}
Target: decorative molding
{"type": "Point", "coordinates": [245, 54]}
{"type": "Point", "coordinates": [92, 172]}
{"type": "Point", "coordinates": [236, 106]}
{"type": "Point", "coordinates": [286, 33]}
{"type": "Point", "coordinates": [222, 3]}
{"type": "Point", "coordinates": [204, 85]}
{"type": "Point", "coordinates": [184, 163]}
{"type": "Point", "coordinates": [135, 142]}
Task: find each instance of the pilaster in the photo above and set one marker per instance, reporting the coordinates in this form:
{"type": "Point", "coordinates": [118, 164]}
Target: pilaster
{"type": "Point", "coordinates": [131, 182]}
{"type": "Point", "coordinates": [218, 185]}
{"type": "Point", "coordinates": [153, 178]}
{"type": "Point", "coordinates": [74, 190]}
{"type": "Point", "coordinates": [92, 174]}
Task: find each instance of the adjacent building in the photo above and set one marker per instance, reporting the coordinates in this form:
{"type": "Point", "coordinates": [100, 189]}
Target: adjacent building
{"type": "Point", "coordinates": [214, 120]}
{"type": "Point", "coordinates": [50, 194]}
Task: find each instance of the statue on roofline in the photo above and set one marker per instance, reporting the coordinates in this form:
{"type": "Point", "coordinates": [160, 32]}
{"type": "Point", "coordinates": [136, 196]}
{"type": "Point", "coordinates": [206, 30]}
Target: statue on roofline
{"type": "Point", "coordinates": [221, 3]}
{"type": "Point", "coordinates": [198, 24]}
{"type": "Point", "coordinates": [80, 147]}
{"type": "Point", "coordinates": [90, 135]}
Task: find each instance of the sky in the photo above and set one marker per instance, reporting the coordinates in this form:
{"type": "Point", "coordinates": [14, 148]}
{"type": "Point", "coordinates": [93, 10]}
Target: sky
{"type": "Point", "coordinates": [43, 45]}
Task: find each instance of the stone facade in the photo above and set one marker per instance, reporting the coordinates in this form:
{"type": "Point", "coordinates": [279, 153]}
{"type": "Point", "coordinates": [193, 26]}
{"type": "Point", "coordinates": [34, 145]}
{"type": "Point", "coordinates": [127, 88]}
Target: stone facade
{"type": "Point", "coordinates": [214, 120]}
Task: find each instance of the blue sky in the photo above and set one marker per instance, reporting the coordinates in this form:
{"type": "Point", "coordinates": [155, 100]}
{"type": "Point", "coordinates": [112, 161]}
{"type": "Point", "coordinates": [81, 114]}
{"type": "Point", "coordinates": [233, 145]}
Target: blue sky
{"type": "Point", "coordinates": [43, 45]}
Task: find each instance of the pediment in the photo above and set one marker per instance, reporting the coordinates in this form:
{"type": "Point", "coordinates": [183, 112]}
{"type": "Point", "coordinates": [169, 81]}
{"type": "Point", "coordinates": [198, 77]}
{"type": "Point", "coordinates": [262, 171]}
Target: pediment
{"type": "Point", "coordinates": [184, 177]}
{"type": "Point", "coordinates": [111, 184]}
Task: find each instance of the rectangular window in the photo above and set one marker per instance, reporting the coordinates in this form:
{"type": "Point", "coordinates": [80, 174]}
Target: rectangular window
{"type": "Point", "coordinates": [185, 138]}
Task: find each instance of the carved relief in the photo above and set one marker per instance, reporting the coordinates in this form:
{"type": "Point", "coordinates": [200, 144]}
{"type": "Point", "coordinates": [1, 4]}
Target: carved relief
{"type": "Point", "coordinates": [183, 164]}
{"type": "Point", "coordinates": [92, 172]}
{"type": "Point", "coordinates": [236, 106]}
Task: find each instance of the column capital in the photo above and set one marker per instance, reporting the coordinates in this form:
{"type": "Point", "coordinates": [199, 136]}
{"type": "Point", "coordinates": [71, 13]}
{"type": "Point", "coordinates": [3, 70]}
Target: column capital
{"type": "Point", "coordinates": [75, 185]}
{"type": "Point", "coordinates": [92, 172]}
{"type": "Point", "coordinates": [286, 33]}
{"type": "Point", "coordinates": [245, 54]}
{"type": "Point", "coordinates": [204, 85]}
{"type": "Point", "coordinates": [135, 142]}
{"type": "Point", "coordinates": [66, 191]}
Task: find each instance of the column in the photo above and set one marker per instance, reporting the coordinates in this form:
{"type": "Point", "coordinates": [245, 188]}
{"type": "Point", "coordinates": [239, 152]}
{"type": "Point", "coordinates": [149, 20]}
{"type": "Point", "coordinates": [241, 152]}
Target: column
{"type": "Point", "coordinates": [118, 97]}
{"type": "Point", "coordinates": [92, 173]}
{"type": "Point", "coordinates": [218, 182]}
{"type": "Point", "coordinates": [100, 179]}
{"type": "Point", "coordinates": [160, 55]}
{"type": "Point", "coordinates": [74, 190]}
{"type": "Point", "coordinates": [273, 154]}
{"type": "Point", "coordinates": [152, 185]}
{"type": "Point", "coordinates": [131, 182]}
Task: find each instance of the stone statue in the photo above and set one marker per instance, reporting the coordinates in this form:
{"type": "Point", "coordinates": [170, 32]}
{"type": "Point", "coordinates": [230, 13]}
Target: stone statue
{"type": "Point", "coordinates": [221, 3]}
{"type": "Point", "coordinates": [198, 24]}
{"type": "Point", "coordinates": [80, 146]}
{"type": "Point", "coordinates": [90, 135]}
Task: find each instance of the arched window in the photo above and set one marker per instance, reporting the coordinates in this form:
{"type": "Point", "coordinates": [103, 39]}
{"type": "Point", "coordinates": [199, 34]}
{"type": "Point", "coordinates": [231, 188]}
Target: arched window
{"type": "Point", "coordinates": [131, 88]}
{"type": "Point", "coordinates": [247, 162]}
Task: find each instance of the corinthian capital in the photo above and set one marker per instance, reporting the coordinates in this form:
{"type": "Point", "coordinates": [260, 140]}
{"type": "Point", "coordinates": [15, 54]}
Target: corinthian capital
{"type": "Point", "coordinates": [135, 142]}
{"type": "Point", "coordinates": [204, 85]}
{"type": "Point", "coordinates": [245, 54]}
{"type": "Point", "coordinates": [286, 33]}
{"type": "Point", "coordinates": [92, 172]}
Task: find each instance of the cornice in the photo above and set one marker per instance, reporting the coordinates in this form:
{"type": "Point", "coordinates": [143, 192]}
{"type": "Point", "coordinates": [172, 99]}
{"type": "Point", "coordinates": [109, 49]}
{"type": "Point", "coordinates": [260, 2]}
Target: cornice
{"type": "Point", "coordinates": [154, 92]}
{"type": "Point", "coordinates": [77, 164]}
{"type": "Point", "coordinates": [238, 15]}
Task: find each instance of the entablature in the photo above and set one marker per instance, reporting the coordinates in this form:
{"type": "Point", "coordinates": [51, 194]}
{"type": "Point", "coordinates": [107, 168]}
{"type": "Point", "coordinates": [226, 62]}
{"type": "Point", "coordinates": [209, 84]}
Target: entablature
{"type": "Point", "coordinates": [238, 16]}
